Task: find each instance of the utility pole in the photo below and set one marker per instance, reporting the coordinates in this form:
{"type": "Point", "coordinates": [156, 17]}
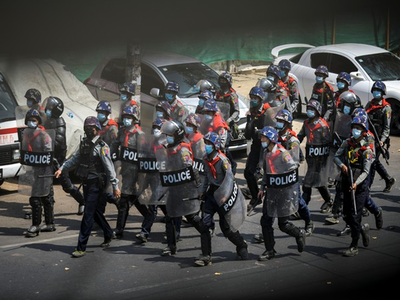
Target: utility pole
{"type": "Point", "coordinates": [133, 69]}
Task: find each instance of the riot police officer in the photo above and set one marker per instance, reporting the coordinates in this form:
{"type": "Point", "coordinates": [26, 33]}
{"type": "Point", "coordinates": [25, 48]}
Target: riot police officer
{"type": "Point", "coordinates": [280, 183]}
{"type": "Point", "coordinates": [343, 82]}
{"type": "Point", "coordinates": [94, 166]}
{"type": "Point", "coordinates": [355, 158]}
{"type": "Point", "coordinates": [290, 84]}
{"type": "Point", "coordinates": [322, 91]}
{"type": "Point", "coordinates": [380, 114]}
{"type": "Point", "coordinates": [54, 107]}
{"type": "Point", "coordinates": [163, 110]}
{"type": "Point", "coordinates": [203, 97]}
{"type": "Point", "coordinates": [221, 195]}
{"type": "Point", "coordinates": [178, 110]}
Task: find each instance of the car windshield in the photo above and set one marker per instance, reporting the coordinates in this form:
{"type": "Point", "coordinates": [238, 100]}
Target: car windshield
{"type": "Point", "coordinates": [7, 102]}
{"type": "Point", "coordinates": [187, 76]}
{"type": "Point", "coordinates": [381, 66]}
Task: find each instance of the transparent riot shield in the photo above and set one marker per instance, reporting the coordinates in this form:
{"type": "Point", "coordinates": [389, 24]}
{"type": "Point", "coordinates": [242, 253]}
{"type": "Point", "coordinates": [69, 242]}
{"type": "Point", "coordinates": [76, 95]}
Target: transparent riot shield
{"type": "Point", "coordinates": [37, 146]}
{"type": "Point", "coordinates": [151, 192]}
{"type": "Point", "coordinates": [231, 201]}
{"type": "Point", "coordinates": [178, 177]}
{"type": "Point", "coordinates": [198, 148]}
{"type": "Point", "coordinates": [282, 193]}
{"type": "Point", "coordinates": [224, 108]}
{"type": "Point", "coordinates": [270, 113]}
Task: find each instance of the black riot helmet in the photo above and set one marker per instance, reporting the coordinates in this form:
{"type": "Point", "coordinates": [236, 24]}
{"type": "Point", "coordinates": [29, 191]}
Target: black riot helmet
{"type": "Point", "coordinates": [55, 105]}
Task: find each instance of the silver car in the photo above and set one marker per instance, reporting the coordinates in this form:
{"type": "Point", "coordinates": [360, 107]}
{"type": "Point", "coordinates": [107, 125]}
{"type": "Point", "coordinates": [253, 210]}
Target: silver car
{"type": "Point", "coordinates": [157, 68]}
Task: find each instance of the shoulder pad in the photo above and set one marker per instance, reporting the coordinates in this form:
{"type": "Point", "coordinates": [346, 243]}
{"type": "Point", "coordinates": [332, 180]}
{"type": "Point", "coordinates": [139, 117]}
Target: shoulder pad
{"type": "Point", "coordinates": [60, 122]}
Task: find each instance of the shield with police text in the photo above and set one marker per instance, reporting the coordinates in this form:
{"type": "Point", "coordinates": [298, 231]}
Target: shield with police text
{"type": "Point", "coordinates": [37, 146]}
{"type": "Point", "coordinates": [198, 148]}
{"type": "Point", "coordinates": [178, 177]}
{"type": "Point", "coordinates": [317, 173]}
{"type": "Point", "coordinates": [283, 190]}
{"type": "Point", "coordinates": [231, 201]}
{"type": "Point", "coordinates": [151, 192]}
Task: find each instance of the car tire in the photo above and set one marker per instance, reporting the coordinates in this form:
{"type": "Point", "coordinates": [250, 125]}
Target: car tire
{"type": "Point", "coordinates": [395, 122]}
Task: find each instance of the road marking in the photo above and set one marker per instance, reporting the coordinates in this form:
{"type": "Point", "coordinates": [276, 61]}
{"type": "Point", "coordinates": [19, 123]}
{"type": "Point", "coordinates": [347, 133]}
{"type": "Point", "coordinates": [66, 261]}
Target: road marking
{"type": "Point", "coordinates": [39, 241]}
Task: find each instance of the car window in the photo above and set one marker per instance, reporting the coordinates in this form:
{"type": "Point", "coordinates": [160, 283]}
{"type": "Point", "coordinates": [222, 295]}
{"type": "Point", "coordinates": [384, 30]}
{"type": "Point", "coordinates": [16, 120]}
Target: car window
{"type": "Point", "coordinates": [339, 63]}
{"type": "Point", "coordinates": [150, 79]}
{"type": "Point", "coordinates": [381, 66]}
{"type": "Point", "coordinates": [295, 59]}
{"type": "Point", "coordinates": [7, 102]}
{"type": "Point", "coordinates": [114, 71]}
{"type": "Point", "coordinates": [318, 59]}
{"type": "Point", "coordinates": [187, 75]}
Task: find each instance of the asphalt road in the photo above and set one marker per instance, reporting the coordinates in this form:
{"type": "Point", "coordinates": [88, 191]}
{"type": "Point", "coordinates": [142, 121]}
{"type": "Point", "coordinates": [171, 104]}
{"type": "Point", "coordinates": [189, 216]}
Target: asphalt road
{"type": "Point", "coordinates": [42, 267]}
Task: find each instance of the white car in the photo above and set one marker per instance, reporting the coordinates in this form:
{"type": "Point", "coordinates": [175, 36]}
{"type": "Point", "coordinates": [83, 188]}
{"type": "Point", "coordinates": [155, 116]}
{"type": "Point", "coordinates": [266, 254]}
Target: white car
{"type": "Point", "coordinates": [51, 78]}
{"type": "Point", "coordinates": [365, 64]}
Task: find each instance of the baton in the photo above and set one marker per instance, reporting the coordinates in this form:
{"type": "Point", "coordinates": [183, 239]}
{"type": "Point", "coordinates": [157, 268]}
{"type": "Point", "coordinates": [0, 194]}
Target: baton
{"type": "Point", "coordinates": [46, 176]}
{"type": "Point", "coordinates": [253, 207]}
{"type": "Point", "coordinates": [194, 198]}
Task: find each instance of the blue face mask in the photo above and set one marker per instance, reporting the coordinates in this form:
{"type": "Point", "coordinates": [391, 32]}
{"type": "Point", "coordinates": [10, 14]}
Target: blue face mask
{"type": "Point", "coordinates": [279, 125]}
{"type": "Point", "coordinates": [127, 122]}
{"type": "Point", "coordinates": [340, 85]}
{"type": "Point", "coordinates": [377, 94]}
{"type": "Point", "coordinates": [253, 103]}
{"type": "Point", "coordinates": [209, 149]}
{"type": "Point", "coordinates": [170, 139]}
{"type": "Point", "coordinates": [123, 97]}
{"type": "Point", "coordinates": [319, 79]}
{"type": "Point", "coordinates": [356, 133]}
{"type": "Point", "coordinates": [48, 113]}
{"type": "Point", "coordinates": [201, 102]}
{"type": "Point", "coordinates": [283, 74]}
{"type": "Point", "coordinates": [32, 124]}
{"type": "Point", "coordinates": [346, 110]}
{"type": "Point", "coordinates": [159, 114]}
{"type": "Point", "coordinates": [29, 103]}
{"type": "Point", "coordinates": [208, 118]}
{"type": "Point", "coordinates": [101, 117]}
{"type": "Point", "coordinates": [169, 97]}
{"type": "Point", "coordinates": [189, 130]}
{"type": "Point", "coordinates": [310, 113]}
{"type": "Point", "coordinates": [264, 144]}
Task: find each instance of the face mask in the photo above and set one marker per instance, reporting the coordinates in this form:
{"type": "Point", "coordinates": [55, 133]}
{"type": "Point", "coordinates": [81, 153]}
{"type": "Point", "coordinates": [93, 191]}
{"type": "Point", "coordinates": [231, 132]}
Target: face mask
{"type": "Point", "coordinates": [101, 117]}
{"type": "Point", "coordinates": [310, 113]}
{"type": "Point", "coordinates": [201, 102]}
{"type": "Point", "coordinates": [340, 85]}
{"type": "Point", "coordinates": [279, 125]}
{"type": "Point", "coordinates": [319, 79]}
{"type": "Point", "coordinates": [346, 110]}
{"type": "Point", "coordinates": [356, 133]}
{"type": "Point", "coordinates": [159, 114]}
{"type": "Point", "coordinates": [170, 139]}
{"type": "Point", "coordinates": [264, 144]}
{"type": "Point", "coordinates": [282, 74]}
{"type": "Point", "coordinates": [32, 124]}
{"type": "Point", "coordinates": [48, 113]}
{"type": "Point", "coordinates": [123, 97]}
{"type": "Point", "coordinates": [208, 118]}
{"type": "Point", "coordinates": [156, 132]}
{"type": "Point", "coordinates": [224, 86]}
{"type": "Point", "coordinates": [377, 94]}
{"type": "Point", "coordinates": [253, 103]}
{"type": "Point", "coordinates": [169, 97]}
{"type": "Point", "coordinates": [29, 103]}
{"type": "Point", "coordinates": [89, 133]}
{"type": "Point", "coordinates": [189, 130]}
{"type": "Point", "coordinates": [209, 149]}
{"type": "Point", "coordinates": [127, 122]}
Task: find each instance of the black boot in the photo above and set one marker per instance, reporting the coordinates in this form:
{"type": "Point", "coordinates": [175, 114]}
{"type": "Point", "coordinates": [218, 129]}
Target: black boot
{"type": "Point", "coordinates": [48, 207]}
{"type": "Point", "coordinates": [269, 242]}
{"type": "Point", "coordinates": [365, 234]}
{"type": "Point", "coordinates": [296, 232]}
{"type": "Point", "coordinates": [123, 212]}
{"type": "Point", "coordinates": [36, 205]}
{"type": "Point", "coordinates": [241, 245]}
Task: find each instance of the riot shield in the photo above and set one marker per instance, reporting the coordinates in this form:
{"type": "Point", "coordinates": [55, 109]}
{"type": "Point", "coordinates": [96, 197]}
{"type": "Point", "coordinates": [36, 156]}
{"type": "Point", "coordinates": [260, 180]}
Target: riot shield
{"type": "Point", "coordinates": [282, 194]}
{"type": "Point", "coordinates": [151, 192]}
{"type": "Point", "coordinates": [37, 146]}
{"type": "Point", "coordinates": [270, 113]}
{"type": "Point", "coordinates": [231, 201]}
{"type": "Point", "coordinates": [179, 180]}
{"type": "Point", "coordinates": [198, 149]}
{"type": "Point", "coordinates": [317, 173]}
{"type": "Point", "coordinates": [224, 108]}
{"type": "Point", "coordinates": [205, 125]}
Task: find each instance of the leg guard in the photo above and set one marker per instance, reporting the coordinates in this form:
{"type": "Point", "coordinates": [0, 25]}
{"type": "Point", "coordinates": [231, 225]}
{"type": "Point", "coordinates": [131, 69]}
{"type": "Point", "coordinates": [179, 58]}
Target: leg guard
{"type": "Point", "coordinates": [36, 204]}
{"type": "Point", "coordinates": [123, 211]}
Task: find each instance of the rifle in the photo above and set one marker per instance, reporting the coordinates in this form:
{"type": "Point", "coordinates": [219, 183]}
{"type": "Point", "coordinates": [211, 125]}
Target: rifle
{"type": "Point", "coordinates": [385, 152]}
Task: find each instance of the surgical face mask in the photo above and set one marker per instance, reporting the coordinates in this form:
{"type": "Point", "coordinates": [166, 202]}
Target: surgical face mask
{"type": "Point", "coordinates": [169, 97]}
{"type": "Point", "coordinates": [319, 79]}
{"type": "Point", "coordinates": [127, 122]}
{"type": "Point", "coordinates": [282, 74]}
{"type": "Point", "coordinates": [48, 113]}
{"type": "Point", "coordinates": [30, 103]}
{"type": "Point", "coordinates": [279, 125]}
{"type": "Point", "coordinates": [264, 144]}
{"type": "Point", "coordinates": [209, 149]}
{"type": "Point", "coordinates": [356, 133]}
{"type": "Point", "coordinates": [208, 118]}
{"type": "Point", "coordinates": [254, 103]}
{"type": "Point", "coordinates": [159, 114]}
{"type": "Point", "coordinates": [340, 85]}
{"type": "Point", "coordinates": [170, 139]}
{"type": "Point", "coordinates": [101, 117]}
{"type": "Point", "coordinates": [123, 97]}
{"type": "Point", "coordinates": [377, 94]}
{"type": "Point", "coordinates": [156, 132]}
{"type": "Point", "coordinates": [310, 113]}
{"type": "Point", "coordinates": [201, 102]}
{"type": "Point", "coordinates": [346, 110]}
{"type": "Point", "coordinates": [189, 130]}
{"type": "Point", "coordinates": [32, 124]}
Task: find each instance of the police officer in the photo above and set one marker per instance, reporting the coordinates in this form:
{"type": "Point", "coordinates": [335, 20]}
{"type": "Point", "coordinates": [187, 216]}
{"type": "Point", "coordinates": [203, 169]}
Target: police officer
{"type": "Point", "coordinates": [94, 166]}
{"type": "Point", "coordinates": [127, 144]}
{"type": "Point", "coordinates": [380, 114]}
{"type": "Point", "coordinates": [178, 111]}
{"type": "Point", "coordinates": [203, 97]}
{"type": "Point", "coordinates": [355, 159]}
{"type": "Point", "coordinates": [316, 129]}
{"type": "Point", "coordinates": [217, 167]}
{"type": "Point", "coordinates": [343, 82]}
{"type": "Point", "coordinates": [290, 84]}
{"type": "Point", "coordinates": [278, 167]}
{"type": "Point", "coordinates": [33, 99]}
{"type": "Point", "coordinates": [255, 121]}
{"type": "Point", "coordinates": [163, 110]}
{"type": "Point", "coordinates": [323, 92]}
{"type": "Point", "coordinates": [36, 139]}
{"type": "Point", "coordinates": [54, 107]}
